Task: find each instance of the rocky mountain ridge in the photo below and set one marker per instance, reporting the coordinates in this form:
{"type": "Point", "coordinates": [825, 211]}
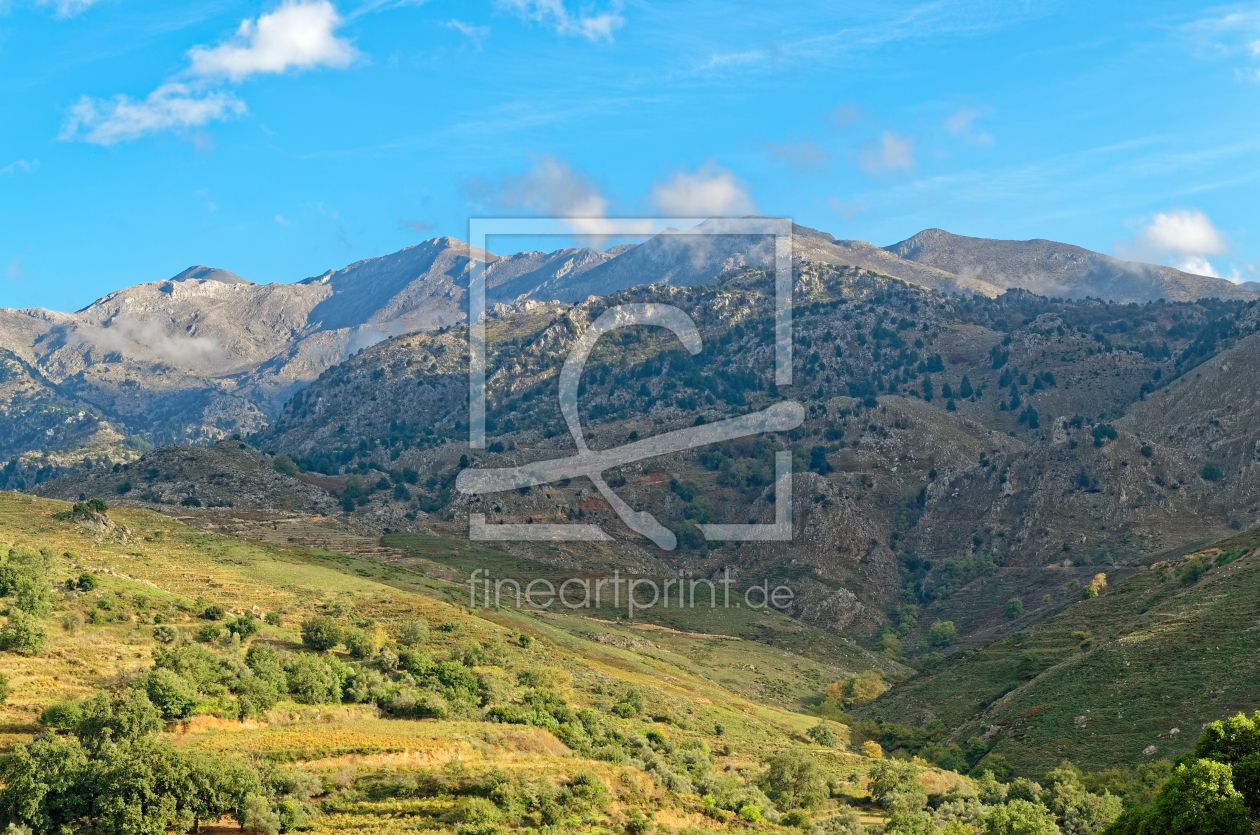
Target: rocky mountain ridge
{"type": "Point", "coordinates": [208, 353]}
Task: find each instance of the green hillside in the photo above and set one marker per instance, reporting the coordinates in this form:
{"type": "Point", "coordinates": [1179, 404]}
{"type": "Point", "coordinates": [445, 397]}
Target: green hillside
{"type": "Point", "coordinates": [1129, 676]}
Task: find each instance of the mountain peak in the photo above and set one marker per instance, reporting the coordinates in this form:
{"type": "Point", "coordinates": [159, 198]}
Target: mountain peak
{"type": "Point", "coordinates": [204, 273]}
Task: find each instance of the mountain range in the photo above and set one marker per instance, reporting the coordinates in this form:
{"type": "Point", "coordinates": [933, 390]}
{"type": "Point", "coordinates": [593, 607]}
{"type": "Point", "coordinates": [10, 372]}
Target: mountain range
{"type": "Point", "coordinates": [208, 353]}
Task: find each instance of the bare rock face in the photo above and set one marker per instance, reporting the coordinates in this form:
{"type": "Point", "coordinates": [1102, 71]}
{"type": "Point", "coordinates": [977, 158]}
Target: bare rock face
{"type": "Point", "coordinates": [101, 525]}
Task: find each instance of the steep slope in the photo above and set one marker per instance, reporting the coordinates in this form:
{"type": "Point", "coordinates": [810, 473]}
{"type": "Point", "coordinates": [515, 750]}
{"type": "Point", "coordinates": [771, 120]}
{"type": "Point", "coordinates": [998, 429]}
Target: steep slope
{"type": "Point", "coordinates": [225, 474]}
{"type": "Point", "coordinates": [1128, 676]}
{"type": "Point", "coordinates": [906, 486]}
{"type": "Point", "coordinates": [1053, 269]}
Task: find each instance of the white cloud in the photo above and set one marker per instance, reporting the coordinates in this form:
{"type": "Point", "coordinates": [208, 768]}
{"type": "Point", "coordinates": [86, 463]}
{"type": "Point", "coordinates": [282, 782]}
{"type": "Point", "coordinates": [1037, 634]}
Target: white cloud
{"type": "Point", "coordinates": [280, 219]}
{"type": "Point", "coordinates": [1183, 238]}
{"type": "Point", "coordinates": [1182, 232]}
{"type": "Point", "coordinates": [1254, 46]}
{"type": "Point", "coordinates": [803, 156]}
{"type": "Point", "coordinates": [1197, 265]}
{"type": "Point", "coordinates": [476, 34]}
{"type": "Point", "coordinates": [296, 35]}
{"type": "Point", "coordinates": [550, 188]}
{"type": "Point", "coordinates": [25, 166]}
{"type": "Point", "coordinates": [959, 123]}
{"type": "Point", "coordinates": [891, 153]}
{"type": "Point", "coordinates": [593, 26]}
{"type": "Point", "coordinates": [143, 340]}
{"type": "Point", "coordinates": [171, 106]}
{"type": "Point", "coordinates": [709, 191]}
{"type": "Point", "coordinates": [68, 8]}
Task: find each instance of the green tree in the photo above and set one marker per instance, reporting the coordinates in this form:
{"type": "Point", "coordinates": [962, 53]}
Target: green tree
{"type": "Point", "coordinates": [1020, 817]}
{"type": "Point", "coordinates": [170, 694]}
{"type": "Point", "coordinates": [321, 632]}
{"type": "Point", "coordinates": [1230, 740]}
{"type": "Point", "coordinates": [413, 633]}
{"type": "Point", "coordinates": [33, 594]}
{"type": "Point", "coordinates": [312, 681]}
{"type": "Point", "coordinates": [1211, 471]}
{"type": "Point", "coordinates": [23, 634]}
{"type": "Point", "coordinates": [895, 786]}
{"type": "Point", "coordinates": [942, 633]}
{"type": "Point", "coordinates": [41, 783]}
{"type": "Point", "coordinates": [1014, 608]}
{"type": "Point", "coordinates": [216, 786]}
{"type": "Point", "coordinates": [285, 466]}
{"type": "Point", "coordinates": [122, 718]}
{"type": "Point", "coordinates": [794, 780]}
{"type": "Point", "coordinates": [137, 787]}
{"type": "Point", "coordinates": [1200, 799]}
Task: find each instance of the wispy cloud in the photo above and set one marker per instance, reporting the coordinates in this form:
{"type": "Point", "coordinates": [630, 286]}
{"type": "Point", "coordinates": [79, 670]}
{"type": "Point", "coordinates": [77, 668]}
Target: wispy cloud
{"type": "Point", "coordinates": [298, 35]}
{"type": "Point", "coordinates": [421, 226]}
{"type": "Point", "coordinates": [893, 152]}
{"type": "Point", "coordinates": [22, 165]}
{"type": "Point", "coordinates": [68, 8]}
{"type": "Point", "coordinates": [13, 270]}
{"type": "Point", "coordinates": [709, 191]}
{"type": "Point", "coordinates": [550, 187]}
{"type": "Point", "coordinates": [283, 221]}
{"type": "Point", "coordinates": [555, 15]}
{"type": "Point", "coordinates": [803, 156]}
{"type": "Point", "coordinates": [846, 210]}
{"type": "Point", "coordinates": [476, 34]}
{"type": "Point", "coordinates": [171, 106]}
{"type": "Point", "coordinates": [959, 123]}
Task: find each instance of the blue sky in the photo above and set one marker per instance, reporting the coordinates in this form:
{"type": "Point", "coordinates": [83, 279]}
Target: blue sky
{"type": "Point", "coordinates": [278, 140]}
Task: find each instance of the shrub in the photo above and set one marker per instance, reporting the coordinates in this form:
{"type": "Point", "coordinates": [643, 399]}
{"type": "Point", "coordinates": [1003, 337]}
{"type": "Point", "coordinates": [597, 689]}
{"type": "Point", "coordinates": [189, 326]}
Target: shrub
{"type": "Point", "coordinates": [23, 634]}
{"type": "Point", "coordinates": [169, 693]}
{"type": "Point", "coordinates": [245, 625]}
{"type": "Point", "coordinates": [413, 633]}
{"type": "Point", "coordinates": [210, 633]}
{"type": "Point", "coordinates": [1211, 471]}
{"type": "Point", "coordinates": [942, 633]}
{"type": "Point", "coordinates": [312, 681]}
{"type": "Point", "coordinates": [215, 612]}
{"type": "Point", "coordinates": [871, 750]}
{"type": "Point", "coordinates": [165, 633]}
{"type": "Point", "coordinates": [1014, 608]}
{"type": "Point", "coordinates": [321, 633]}
{"type": "Point", "coordinates": [273, 619]}
{"type": "Point", "coordinates": [86, 582]}
{"type": "Point", "coordinates": [285, 466]}
{"type": "Point", "coordinates": [822, 734]}
{"type": "Point", "coordinates": [64, 716]}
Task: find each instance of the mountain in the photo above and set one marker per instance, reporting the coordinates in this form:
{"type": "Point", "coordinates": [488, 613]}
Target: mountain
{"type": "Point", "coordinates": [1128, 676]}
{"type": "Point", "coordinates": [1052, 269]}
{"type": "Point", "coordinates": [208, 353]}
{"type": "Point", "coordinates": [1051, 435]}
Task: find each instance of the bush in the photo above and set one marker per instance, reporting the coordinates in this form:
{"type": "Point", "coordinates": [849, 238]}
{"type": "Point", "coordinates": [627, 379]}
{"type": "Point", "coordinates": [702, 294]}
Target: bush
{"type": "Point", "coordinates": [321, 633]}
{"type": "Point", "coordinates": [871, 750]}
{"type": "Point", "coordinates": [273, 619]}
{"type": "Point", "coordinates": [210, 633]}
{"type": "Point", "coordinates": [312, 681]}
{"type": "Point", "coordinates": [413, 633]}
{"type": "Point", "coordinates": [1014, 608]}
{"type": "Point", "coordinates": [64, 716]}
{"type": "Point", "coordinates": [822, 734]}
{"type": "Point", "coordinates": [285, 466]}
{"type": "Point", "coordinates": [86, 582]}
{"type": "Point", "coordinates": [4, 688]}
{"type": "Point", "coordinates": [165, 633]}
{"type": "Point", "coordinates": [23, 634]}
{"type": "Point", "coordinates": [942, 633]}
{"type": "Point", "coordinates": [169, 693]}
{"type": "Point", "coordinates": [215, 612]}
{"type": "Point", "coordinates": [246, 625]}
{"type": "Point", "coordinates": [794, 780]}
{"type": "Point", "coordinates": [1211, 471]}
